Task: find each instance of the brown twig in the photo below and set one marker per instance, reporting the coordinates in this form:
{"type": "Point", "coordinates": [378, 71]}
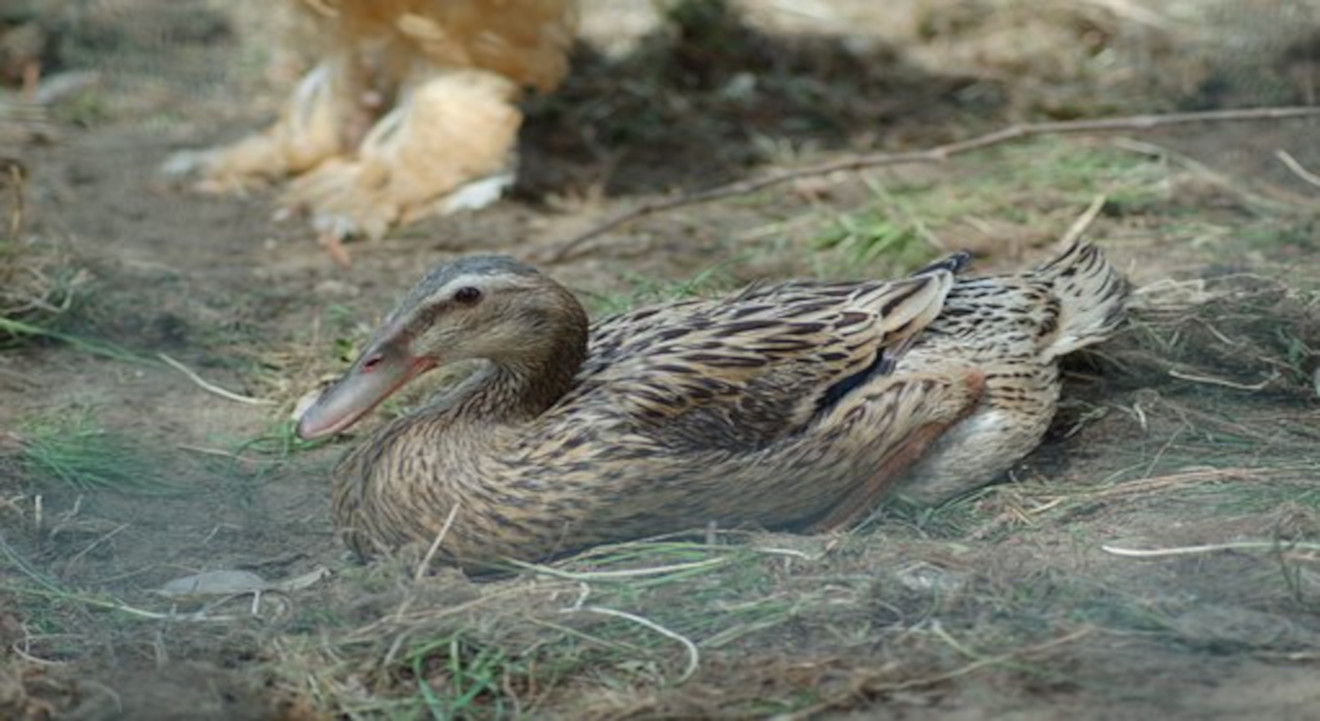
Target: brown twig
{"type": "Point", "coordinates": [1083, 222]}
{"type": "Point", "coordinates": [435, 545]}
{"type": "Point", "coordinates": [16, 175]}
{"type": "Point", "coordinates": [940, 153]}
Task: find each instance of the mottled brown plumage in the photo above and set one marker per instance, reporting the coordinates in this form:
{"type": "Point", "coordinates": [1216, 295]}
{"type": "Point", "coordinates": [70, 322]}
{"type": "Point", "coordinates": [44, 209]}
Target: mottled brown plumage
{"type": "Point", "coordinates": [793, 406]}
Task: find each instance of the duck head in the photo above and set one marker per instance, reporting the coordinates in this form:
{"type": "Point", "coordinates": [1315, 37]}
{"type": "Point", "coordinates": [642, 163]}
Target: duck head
{"type": "Point", "coordinates": [489, 307]}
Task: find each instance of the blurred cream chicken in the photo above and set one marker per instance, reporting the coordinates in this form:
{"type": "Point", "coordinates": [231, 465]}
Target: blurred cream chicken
{"type": "Point", "coordinates": [410, 111]}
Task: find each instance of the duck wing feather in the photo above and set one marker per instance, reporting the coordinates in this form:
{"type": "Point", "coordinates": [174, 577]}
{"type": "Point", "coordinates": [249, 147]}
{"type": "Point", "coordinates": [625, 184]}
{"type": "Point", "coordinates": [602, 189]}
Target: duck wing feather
{"type": "Point", "coordinates": [749, 371]}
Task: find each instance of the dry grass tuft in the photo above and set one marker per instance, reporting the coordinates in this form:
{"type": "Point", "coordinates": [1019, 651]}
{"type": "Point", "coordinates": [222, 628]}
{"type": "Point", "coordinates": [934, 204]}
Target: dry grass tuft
{"type": "Point", "coordinates": [1237, 332]}
{"type": "Point", "coordinates": [38, 282]}
{"type": "Point", "coordinates": [444, 645]}
{"type": "Point", "coordinates": [668, 629]}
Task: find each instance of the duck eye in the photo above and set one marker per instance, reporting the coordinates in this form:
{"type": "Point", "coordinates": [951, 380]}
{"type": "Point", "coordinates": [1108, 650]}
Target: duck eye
{"type": "Point", "coordinates": [467, 295]}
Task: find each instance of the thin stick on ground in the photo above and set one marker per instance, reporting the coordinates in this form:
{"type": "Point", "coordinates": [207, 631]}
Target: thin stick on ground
{"type": "Point", "coordinates": [24, 650]}
{"type": "Point", "coordinates": [1206, 173]}
{"type": "Point", "coordinates": [211, 387]}
{"type": "Point", "coordinates": [1207, 380]}
{"type": "Point", "coordinates": [435, 544]}
{"type": "Point", "coordinates": [1159, 484]}
{"type": "Point", "coordinates": [1291, 163]}
{"type": "Point", "coordinates": [693, 655]}
{"type": "Point", "coordinates": [1083, 222]}
{"type": "Point", "coordinates": [1210, 548]}
{"type": "Point", "coordinates": [622, 573]}
{"type": "Point", "coordinates": [988, 661]}
{"type": "Point", "coordinates": [418, 574]}
{"type": "Point", "coordinates": [96, 543]}
{"type": "Point", "coordinates": [16, 175]}
{"type": "Point", "coordinates": [220, 453]}
{"type": "Point", "coordinates": [55, 593]}
{"type": "Point", "coordinates": [572, 246]}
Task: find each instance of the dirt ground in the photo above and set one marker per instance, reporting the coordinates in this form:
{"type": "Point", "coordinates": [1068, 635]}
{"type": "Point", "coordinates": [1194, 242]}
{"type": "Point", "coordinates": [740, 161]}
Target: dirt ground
{"type": "Point", "coordinates": [1194, 433]}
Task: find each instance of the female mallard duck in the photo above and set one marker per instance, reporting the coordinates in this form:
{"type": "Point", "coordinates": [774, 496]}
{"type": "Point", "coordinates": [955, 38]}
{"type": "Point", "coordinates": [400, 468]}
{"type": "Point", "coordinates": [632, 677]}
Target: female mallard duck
{"type": "Point", "coordinates": [789, 406]}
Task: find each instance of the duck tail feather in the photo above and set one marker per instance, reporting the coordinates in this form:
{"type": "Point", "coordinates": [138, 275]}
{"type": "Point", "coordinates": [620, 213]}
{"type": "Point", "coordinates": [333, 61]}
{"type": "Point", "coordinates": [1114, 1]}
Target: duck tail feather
{"type": "Point", "coordinates": [1092, 296]}
{"type": "Point", "coordinates": [954, 263]}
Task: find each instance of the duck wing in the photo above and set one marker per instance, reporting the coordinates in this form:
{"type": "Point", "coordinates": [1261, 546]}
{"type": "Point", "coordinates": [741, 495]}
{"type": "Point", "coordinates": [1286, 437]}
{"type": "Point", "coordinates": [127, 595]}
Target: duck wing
{"type": "Point", "coordinates": [747, 371]}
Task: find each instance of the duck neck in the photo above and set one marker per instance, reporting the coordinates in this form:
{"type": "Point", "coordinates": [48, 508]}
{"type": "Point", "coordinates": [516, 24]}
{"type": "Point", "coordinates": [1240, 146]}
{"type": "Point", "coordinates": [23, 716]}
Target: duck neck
{"type": "Point", "coordinates": [523, 385]}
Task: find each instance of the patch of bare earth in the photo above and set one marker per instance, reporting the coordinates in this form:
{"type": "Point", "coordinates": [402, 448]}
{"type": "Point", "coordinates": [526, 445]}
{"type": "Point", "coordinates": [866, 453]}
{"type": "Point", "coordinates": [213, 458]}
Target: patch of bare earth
{"type": "Point", "coordinates": [1157, 556]}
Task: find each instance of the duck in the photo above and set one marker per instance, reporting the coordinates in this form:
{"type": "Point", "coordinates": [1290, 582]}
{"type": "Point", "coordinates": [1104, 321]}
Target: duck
{"type": "Point", "coordinates": [797, 405]}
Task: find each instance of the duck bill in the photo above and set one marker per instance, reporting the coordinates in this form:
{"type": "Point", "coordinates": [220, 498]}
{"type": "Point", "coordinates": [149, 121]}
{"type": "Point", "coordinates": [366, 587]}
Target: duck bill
{"type": "Point", "coordinates": [376, 375]}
